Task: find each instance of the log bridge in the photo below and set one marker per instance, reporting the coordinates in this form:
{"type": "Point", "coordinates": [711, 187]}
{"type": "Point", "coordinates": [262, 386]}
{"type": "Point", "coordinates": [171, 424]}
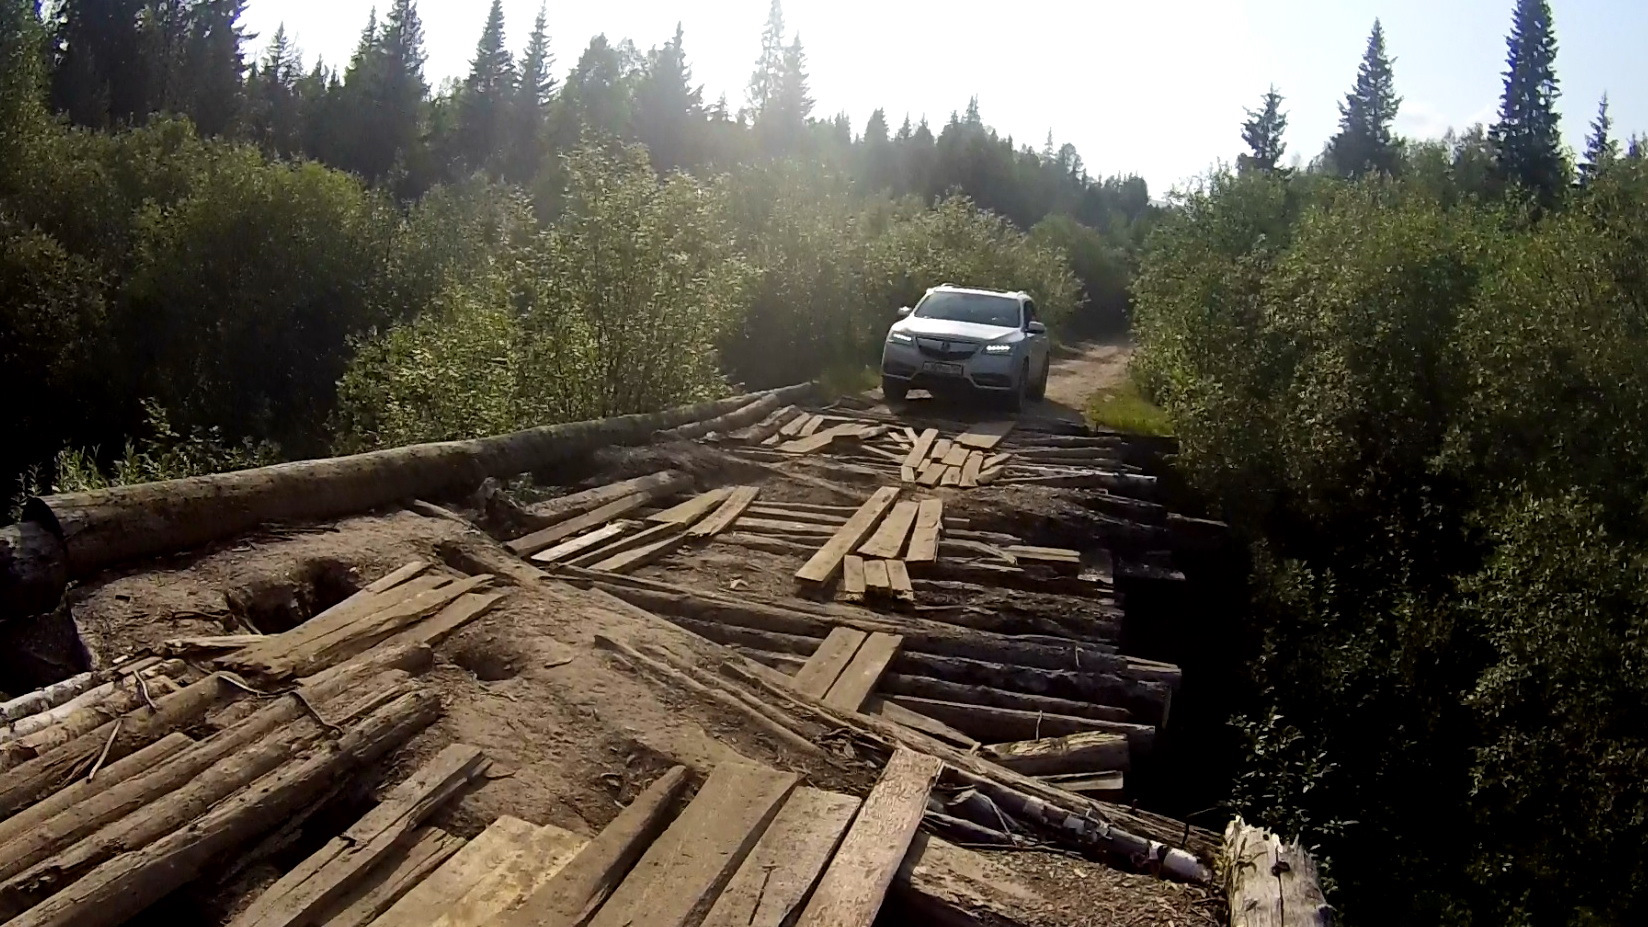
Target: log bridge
{"type": "Point", "coordinates": [982, 672]}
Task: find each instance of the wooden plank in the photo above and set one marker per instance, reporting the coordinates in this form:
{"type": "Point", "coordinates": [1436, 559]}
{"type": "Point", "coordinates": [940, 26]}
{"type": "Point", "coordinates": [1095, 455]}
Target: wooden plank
{"type": "Point", "coordinates": [996, 460]}
{"type": "Point", "coordinates": [1105, 785]}
{"type": "Point", "coordinates": [536, 860]}
{"type": "Point", "coordinates": [907, 474]}
{"type": "Point", "coordinates": [781, 526]}
{"type": "Point", "coordinates": [958, 455]}
{"type": "Point", "coordinates": [792, 513]}
{"type": "Point", "coordinates": [679, 877]}
{"type": "Point", "coordinates": [810, 428]}
{"type": "Point", "coordinates": [611, 549]}
{"type": "Point", "coordinates": [824, 564]}
{"type": "Point", "coordinates": [924, 538]}
{"type": "Point", "coordinates": [324, 877]}
{"type": "Point", "coordinates": [852, 578]}
{"type": "Point", "coordinates": [859, 679]}
{"type": "Point", "coordinates": [821, 440]}
{"type": "Point", "coordinates": [583, 884]}
{"type": "Point", "coordinates": [499, 842]}
{"type": "Point", "coordinates": [875, 574]}
{"type": "Point", "coordinates": [429, 848]}
{"type": "Point", "coordinates": [970, 470]}
{"type": "Point", "coordinates": [555, 534]}
{"type": "Point", "coordinates": [691, 510]}
{"type": "Point", "coordinates": [898, 579]}
{"type": "Point", "coordinates": [952, 477]}
{"type": "Point", "coordinates": [853, 887]}
{"type": "Point", "coordinates": [792, 428]}
{"type": "Point", "coordinates": [642, 556]}
{"type": "Point", "coordinates": [1087, 752]}
{"type": "Point", "coordinates": [987, 435]}
{"type": "Point", "coordinates": [931, 474]}
{"type": "Point", "coordinates": [924, 446]}
{"type": "Point", "coordinates": [583, 543]}
{"type": "Point", "coordinates": [910, 434]}
{"type": "Point", "coordinates": [1001, 725]}
{"type": "Point", "coordinates": [916, 721]}
{"type": "Point", "coordinates": [941, 449]}
{"type": "Point", "coordinates": [737, 501]}
{"type": "Point", "coordinates": [431, 631]}
{"type": "Point", "coordinates": [825, 665]}
{"type": "Point", "coordinates": [391, 580]}
{"type": "Point", "coordinates": [780, 872]}
{"type": "Point", "coordinates": [1045, 554]}
{"type": "Point", "coordinates": [888, 540]}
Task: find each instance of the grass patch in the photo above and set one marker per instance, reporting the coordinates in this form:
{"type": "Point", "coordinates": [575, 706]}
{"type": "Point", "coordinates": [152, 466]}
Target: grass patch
{"type": "Point", "coordinates": [1124, 408]}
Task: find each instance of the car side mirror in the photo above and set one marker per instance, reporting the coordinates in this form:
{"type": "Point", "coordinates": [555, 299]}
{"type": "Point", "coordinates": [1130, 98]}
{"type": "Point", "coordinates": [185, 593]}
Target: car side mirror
{"type": "Point", "coordinates": [1036, 328]}
{"type": "Point", "coordinates": [904, 311]}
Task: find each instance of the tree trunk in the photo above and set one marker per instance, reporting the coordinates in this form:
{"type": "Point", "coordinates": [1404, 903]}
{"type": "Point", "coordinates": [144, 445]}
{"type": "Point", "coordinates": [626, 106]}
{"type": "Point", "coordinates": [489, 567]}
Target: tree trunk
{"type": "Point", "coordinates": [1270, 883]}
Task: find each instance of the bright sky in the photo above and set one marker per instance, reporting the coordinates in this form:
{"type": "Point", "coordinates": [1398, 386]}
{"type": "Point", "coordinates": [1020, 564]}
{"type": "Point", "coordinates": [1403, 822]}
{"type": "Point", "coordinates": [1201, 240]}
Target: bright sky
{"type": "Point", "coordinates": [1153, 88]}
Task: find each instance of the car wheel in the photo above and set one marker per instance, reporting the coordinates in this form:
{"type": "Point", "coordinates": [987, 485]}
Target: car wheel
{"type": "Point", "coordinates": [1015, 399]}
{"type": "Point", "coordinates": [893, 390]}
{"type": "Point", "coordinates": [1040, 392]}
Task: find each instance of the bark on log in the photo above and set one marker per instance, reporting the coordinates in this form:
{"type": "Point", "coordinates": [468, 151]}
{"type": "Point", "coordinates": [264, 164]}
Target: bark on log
{"type": "Point", "coordinates": [1076, 753]}
{"type": "Point", "coordinates": [747, 414]}
{"type": "Point", "coordinates": [50, 697]}
{"type": "Point", "coordinates": [113, 892]}
{"type": "Point", "coordinates": [554, 511]}
{"type": "Point", "coordinates": [1270, 883]}
{"type": "Point", "coordinates": [101, 528]}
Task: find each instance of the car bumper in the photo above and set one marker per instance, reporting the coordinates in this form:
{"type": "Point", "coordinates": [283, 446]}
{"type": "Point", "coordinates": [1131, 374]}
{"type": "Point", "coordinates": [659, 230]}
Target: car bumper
{"type": "Point", "coordinates": [983, 371]}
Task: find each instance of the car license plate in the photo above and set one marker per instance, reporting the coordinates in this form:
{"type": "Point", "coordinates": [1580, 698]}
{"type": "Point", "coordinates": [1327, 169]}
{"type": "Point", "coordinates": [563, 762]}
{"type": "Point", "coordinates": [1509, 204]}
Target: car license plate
{"type": "Point", "coordinates": [943, 370]}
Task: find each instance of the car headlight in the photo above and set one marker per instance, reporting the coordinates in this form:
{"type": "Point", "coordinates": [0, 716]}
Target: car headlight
{"type": "Point", "coordinates": [900, 338]}
{"type": "Point", "coordinates": [998, 349]}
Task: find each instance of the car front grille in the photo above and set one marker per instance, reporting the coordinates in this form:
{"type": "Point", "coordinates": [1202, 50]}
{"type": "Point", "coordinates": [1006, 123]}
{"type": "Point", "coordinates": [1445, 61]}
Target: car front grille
{"type": "Point", "coordinates": [941, 349]}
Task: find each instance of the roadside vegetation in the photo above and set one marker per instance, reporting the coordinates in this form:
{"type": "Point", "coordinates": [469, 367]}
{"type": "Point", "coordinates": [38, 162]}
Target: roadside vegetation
{"type": "Point", "coordinates": [1414, 375]}
{"type": "Point", "coordinates": [300, 258]}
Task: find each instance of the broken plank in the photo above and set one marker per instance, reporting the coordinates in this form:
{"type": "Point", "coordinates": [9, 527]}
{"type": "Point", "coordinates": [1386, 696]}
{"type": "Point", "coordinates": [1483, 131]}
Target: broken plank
{"type": "Point", "coordinates": [957, 456]}
{"type": "Point", "coordinates": [941, 449]}
{"type": "Point", "coordinates": [910, 434]}
{"type": "Point", "coordinates": [792, 428]}
{"type": "Point", "coordinates": [737, 501]}
{"type": "Point", "coordinates": [582, 543]}
{"type": "Point", "coordinates": [907, 474]}
{"type": "Point", "coordinates": [555, 534]}
{"type": "Point", "coordinates": [1087, 752]}
{"type": "Point", "coordinates": [678, 878]}
{"type": "Point", "coordinates": [811, 426]}
{"type": "Point", "coordinates": [875, 574]}
{"type": "Point", "coordinates": [888, 540]}
{"type": "Point", "coordinates": [629, 542]}
{"type": "Point", "coordinates": [951, 477]}
{"type": "Point", "coordinates": [327, 874]}
{"type": "Point", "coordinates": [996, 460]}
{"type": "Point", "coordinates": [924, 538]}
{"type": "Point", "coordinates": [642, 556]}
{"type": "Point", "coordinates": [898, 579]}
{"type": "Point", "coordinates": [691, 510]}
{"type": "Point", "coordinates": [780, 872]}
{"type": "Point", "coordinates": [1103, 785]}
{"type": "Point", "coordinates": [824, 564]}
{"type": "Point", "coordinates": [859, 679]}
{"type": "Point", "coordinates": [855, 884]}
{"type": "Point", "coordinates": [852, 578]}
{"type": "Point", "coordinates": [824, 667]}
{"type": "Point", "coordinates": [924, 446]}
{"type": "Point", "coordinates": [987, 435]}
{"type": "Point", "coordinates": [409, 865]}
{"type": "Point", "coordinates": [970, 470]}
{"type": "Point", "coordinates": [537, 859]}
{"type": "Point", "coordinates": [931, 474]}
{"type": "Point", "coordinates": [1045, 554]}
{"type": "Point", "coordinates": [989, 475]}
{"type": "Point", "coordinates": [583, 884]}
{"type": "Point", "coordinates": [501, 840]}
{"type": "Point", "coordinates": [431, 631]}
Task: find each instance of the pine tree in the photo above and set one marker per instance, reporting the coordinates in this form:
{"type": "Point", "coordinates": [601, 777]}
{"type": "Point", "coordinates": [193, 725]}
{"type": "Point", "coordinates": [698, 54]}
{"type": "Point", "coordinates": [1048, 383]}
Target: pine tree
{"type": "Point", "coordinates": [1263, 134]}
{"type": "Point", "coordinates": [483, 102]}
{"type": "Point", "coordinates": [973, 117]}
{"type": "Point", "coordinates": [274, 120]}
{"type": "Point", "coordinates": [769, 68]}
{"type": "Point", "coordinates": [669, 111]}
{"type": "Point", "coordinates": [1527, 138]}
{"type": "Point", "coordinates": [1601, 149]}
{"type": "Point", "coordinates": [1365, 143]}
{"type": "Point", "coordinates": [384, 93]}
{"type": "Point", "coordinates": [529, 112]}
{"type": "Point", "coordinates": [877, 172]}
{"type": "Point", "coordinates": [782, 122]}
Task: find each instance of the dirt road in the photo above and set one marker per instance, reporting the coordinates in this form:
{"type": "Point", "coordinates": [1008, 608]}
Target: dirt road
{"type": "Point", "coordinates": [1081, 370]}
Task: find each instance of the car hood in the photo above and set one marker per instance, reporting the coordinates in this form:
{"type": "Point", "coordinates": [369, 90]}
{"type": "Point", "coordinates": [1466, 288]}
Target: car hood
{"type": "Point", "coordinates": [962, 331]}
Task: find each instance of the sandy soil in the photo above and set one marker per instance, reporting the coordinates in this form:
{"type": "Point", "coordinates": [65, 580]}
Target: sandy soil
{"type": "Point", "coordinates": [1081, 370]}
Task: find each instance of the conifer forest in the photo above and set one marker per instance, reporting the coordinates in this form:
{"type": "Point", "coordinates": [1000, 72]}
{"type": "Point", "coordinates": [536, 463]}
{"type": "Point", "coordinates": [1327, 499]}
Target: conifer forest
{"type": "Point", "coordinates": [1410, 373]}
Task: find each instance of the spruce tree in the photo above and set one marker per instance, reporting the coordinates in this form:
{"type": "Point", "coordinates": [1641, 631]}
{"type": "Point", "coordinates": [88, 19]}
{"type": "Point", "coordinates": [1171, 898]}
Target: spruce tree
{"type": "Point", "coordinates": [1263, 134]}
{"type": "Point", "coordinates": [877, 172]}
{"type": "Point", "coordinates": [769, 68]}
{"type": "Point", "coordinates": [484, 101]}
{"type": "Point", "coordinates": [669, 111]}
{"type": "Point", "coordinates": [529, 111]}
{"type": "Point", "coordinates": [1527, 138]}
{"type": "Point", "coordinates": [274, 120]}
{"type": "Point", "coordinates": [211, 77]}
{"type": "Point", "coordinates": [1600, 147]}
{"type": "Point", "coordinates": [1365, 143]}
{"type": "Point", "coordinates": [384, 92]}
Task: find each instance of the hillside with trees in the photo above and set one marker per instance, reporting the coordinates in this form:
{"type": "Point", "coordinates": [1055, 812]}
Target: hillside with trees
{"type": "Point", "coordinates": [208, 240]}
{"type": "Point", "coordinates": [1414, 376]}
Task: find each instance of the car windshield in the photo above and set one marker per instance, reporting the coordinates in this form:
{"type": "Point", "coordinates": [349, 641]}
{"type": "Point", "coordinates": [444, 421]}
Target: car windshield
{"type": "Point", "coordinates": [978, 308]}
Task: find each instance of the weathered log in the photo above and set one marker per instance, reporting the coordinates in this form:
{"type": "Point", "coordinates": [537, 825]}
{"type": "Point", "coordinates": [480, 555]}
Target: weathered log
{"type": "Point", "coordinates": [747, 414]}
{"type": "Point", "coordinates": [654, 486]}
{"type": "Point", "coordinates": [33, 569]}
{"type": "Point", "coordinates": [93, 714]}
{"type": "Point", "coordinates": [104, 527]}
{"type": "Point", "coordinates": [928, 687]}
{"type": "Point", "coordinates": [1091, 752]}
{"type": "Point", "coordinates": [113, 892]}
{"type": "Point", "coordinates": [1270, 883]}
{"type": "Point", "coordinates": [31, 818]}
{"type": "Point", "coordinates": [767, 427]}
{"type": "Point", "coordinates": [50, 697]}
{"type": "Point", "coordinates": [1003, 725]}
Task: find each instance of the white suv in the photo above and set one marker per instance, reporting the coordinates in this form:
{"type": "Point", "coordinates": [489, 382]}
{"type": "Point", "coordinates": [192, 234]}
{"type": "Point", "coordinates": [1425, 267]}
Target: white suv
{"type": "Point", "coordinates": [958, 337]}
